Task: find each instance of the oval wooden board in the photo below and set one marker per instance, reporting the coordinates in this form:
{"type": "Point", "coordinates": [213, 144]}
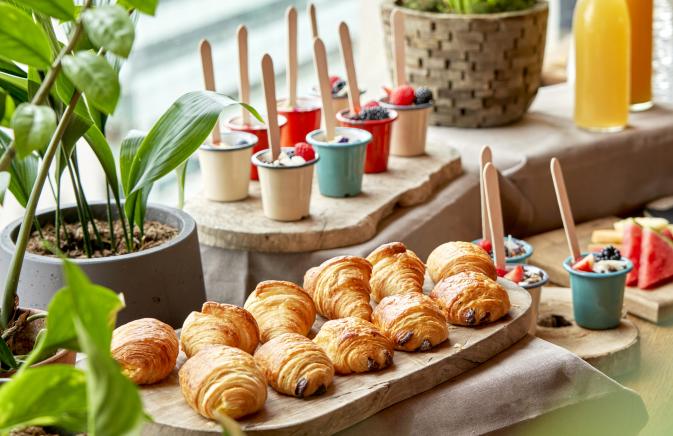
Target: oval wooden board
{"type": "Point", "coordinates": [352, 398]}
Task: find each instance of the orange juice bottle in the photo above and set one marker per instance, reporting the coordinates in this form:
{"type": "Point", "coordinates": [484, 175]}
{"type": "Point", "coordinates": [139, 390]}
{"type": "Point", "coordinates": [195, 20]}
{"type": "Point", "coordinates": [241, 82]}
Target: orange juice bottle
{"type": "Point", "coordinates": [602, 34]}
{"type": "Point", "coordinates": [640, 13]}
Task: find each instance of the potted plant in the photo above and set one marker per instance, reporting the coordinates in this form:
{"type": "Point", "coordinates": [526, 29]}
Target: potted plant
{"type": "Point", "coordinates": [482, 59]}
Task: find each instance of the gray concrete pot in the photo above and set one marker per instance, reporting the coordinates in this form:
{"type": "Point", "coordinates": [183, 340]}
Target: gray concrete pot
{"type": "Point", "coordinates": [164, 282]}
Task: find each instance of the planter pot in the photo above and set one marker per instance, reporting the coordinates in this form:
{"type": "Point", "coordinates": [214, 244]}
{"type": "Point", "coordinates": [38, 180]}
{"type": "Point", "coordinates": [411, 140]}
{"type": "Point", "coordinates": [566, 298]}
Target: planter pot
{"type": "Point", "coordinates": [410, 130]}
{"type": "Point", "coordinates": [378, 149]}
{"type": "Point", "coordinates": [301, 120]}
{"type": "Point", "coordinates": [483, 69]}
{"type": "Point", "coordinates": [224, 168]}
{"type": "Point", "coordinates": [164, 282]}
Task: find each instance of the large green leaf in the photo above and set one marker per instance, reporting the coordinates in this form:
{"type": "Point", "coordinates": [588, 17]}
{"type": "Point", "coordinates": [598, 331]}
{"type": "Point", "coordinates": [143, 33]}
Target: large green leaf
{"type": "Point", "coordinates": [62, 9]}
{"type": "Point", "coordinates": [6, 356]}
{"type": "Point", "coordinates": [33, 127]}
{"type": "Point", "coordinates": [8, 111]}
{"type": "Point", "coordinates": [16, 86]}
{"type": "Point", "coordinates": [136, 202]}
{"type": "Point", "coordinates": [103, 151]}
{"type": "Point", "coordinates": [11, 68]}
{"type": "Point", "coordinates": [45, 395]}
{"type": "Point", "coordinates": [146, 6]}
{"type": "Point", "coordinates": [21, 39]}
{"type": "Point", "coordinates": [4, 184]}
{"type": "Point", "coordinates": [110, 27]}
{"type": "Point", "coordinates": [23, 172]}
{"type": "Point", "coordinates": [94, 76]}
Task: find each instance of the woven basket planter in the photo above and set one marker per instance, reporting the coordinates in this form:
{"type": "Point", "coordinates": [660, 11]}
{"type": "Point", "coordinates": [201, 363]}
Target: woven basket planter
{"type": "Point", "coordinates": [484, 70]}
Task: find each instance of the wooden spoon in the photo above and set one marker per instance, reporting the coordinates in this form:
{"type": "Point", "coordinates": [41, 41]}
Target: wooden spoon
{"type": "Point", "coordinates": [495, 214]}
{"type": "Point", "coordinates": [485, 157]}
{"type": "Point", "coordinates": [209, 79]}
{"type": "Point", "coordinates": [243, 76]}
{"type": "Point", "coordinates": [269, 83]}
{"type": "Point", "coordinates": [320, 61]}
{"type": "Point", "coordinates": [397, 23]}
{"type": "Point", "coordinates": [564, 206]}
{"type": "Point", "coordinates": [291, 18]}
{"type": "Point", "coordinates": [313, 19]}
{"type": "Point", "coordinates": [347, 53]}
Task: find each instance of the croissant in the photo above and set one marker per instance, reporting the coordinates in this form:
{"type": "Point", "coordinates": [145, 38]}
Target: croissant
{"type": "Point", "coordinates": [146, 349]}
{"type": "Point", "coordinates": [295, 365]}
{"type": "Point", "coordinates": [455, 257]}
{"type": "Point", "coordinates": [340, 287]}
{"type": "Point", "coordinates": [222, 380]}
{"type": "Point", "coordinates": [471, 298]}
{"type": "Point", "coordinates": [396, 270]}
{"type": "Point", "coordinates": [413, 321]}
{"type": "Point", "coordinates": [281, 307]}
{"type": "Point", "coordinates": [355, 345]}
{"type": "Point", "coordinates": [219, 324]}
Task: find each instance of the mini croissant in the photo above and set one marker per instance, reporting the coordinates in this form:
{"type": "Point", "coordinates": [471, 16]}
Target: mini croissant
{"type": "Point", "coordinates": [340, 287]}
{"type": "Point", "coordinates": [455, 257]}
{"type": "Point", "coordinates": [146, 349]}
{"type": "Point", "coordinates": [281, 307]}
{"type": "Point", "coordinates": [471, 298]}
{"type": "Point", "coordinates": [222, 381]}
{"type": "Point", "coordinates": [295, 365]}
{"type": "Point", "coordinates": [396, 270]}
{"type": "Point", "coordinates": [219, 324]}
{"type": "Point", "coordinates": [413, 321]}
{"type": "Point", "coordinates": [355, 345]}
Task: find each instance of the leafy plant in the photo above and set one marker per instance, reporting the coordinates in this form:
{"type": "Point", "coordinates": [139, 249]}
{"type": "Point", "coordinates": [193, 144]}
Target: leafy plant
{"type": "Point", "coordinates": [467, 6]}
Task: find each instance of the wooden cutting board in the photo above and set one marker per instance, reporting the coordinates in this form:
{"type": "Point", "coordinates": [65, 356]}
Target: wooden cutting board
{"type": "Point", "coordinates": [551, 250]}
{"type": "Point", "coordinates": [351, 398]}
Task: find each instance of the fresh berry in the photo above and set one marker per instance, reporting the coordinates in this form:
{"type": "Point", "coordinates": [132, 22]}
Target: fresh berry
{"type": "Point", "coordinates": [333, 80]}
{"type": "Point", "coordinates": [343, 140]}
{"type": "Point", "coordinates": [486, 245]}
{"type": "Point", "coordinates": [370, 104]}
{"type": "Point", "coordinates": [516, 275]}
{"type": "Point", "coordinates": [501, 272]}
{"type": "Point", "coordinates": [372, 113]}
{"type": "Point", "coordinates": [304, 150]}
{"type": "Point", "coordinates": [402, 96]}
{"type": "Point", "coordinates": [608, 253]}
{"type": "Point", "coordinates": [241, 142]}
{"type": "Point", "coordinates": [423, 95]}
{"type": "Point", "coordinates": [586, 264]}
{"type": "Point", "coordinates": [387, 90]}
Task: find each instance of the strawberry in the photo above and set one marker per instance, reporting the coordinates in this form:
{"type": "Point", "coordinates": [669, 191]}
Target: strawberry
{"type": "Point", "coordinates": [516, 275]}
{"type": "Point", "coordinates": [586, 264]}
{"type": "Point", "coordinates": [370, 104]}
{"type": "Point", "coordinates": [403, 95]}
{"type": "Point", "coordinates": [486, 245]}
{"type": "Point", "coordinates": [333, 80]}
{"type": "Point", "coordinates": [304, 150]}
{"type": "Point", "coordinates": [501, 272]}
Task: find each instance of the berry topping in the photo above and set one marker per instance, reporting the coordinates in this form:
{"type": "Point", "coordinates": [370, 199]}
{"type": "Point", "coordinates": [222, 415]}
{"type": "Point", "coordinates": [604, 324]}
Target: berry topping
{"type": "Point", "coordinates": [501, 272]}
{"type": "Point", "coordinates": [516, 275]}
{"type": "Point", "coordinates": [334, 79]}
{"type": "Point", "coordinates": [486, 245]}
{"type": "Point", "coordinates": [370, 104]}
{"type": "Point", "coordinates": [608, 253]}
{"type": "Point", "coordinates": [304, 150]}
{"type": "Point", "coordinates": [423, 95]}
{"type": "Point", "coordinates": [402, 95]}
{"type": "Point", "coordinates": [342, 140]}
{"type": "Point", "coordinates": [241, 142]}
{"type": "Point", "coordinates": [372, 113]}
{"type": "Point", "coordinates": [337, 83]}
{"type": "Point", "coordinates": [586, 264]}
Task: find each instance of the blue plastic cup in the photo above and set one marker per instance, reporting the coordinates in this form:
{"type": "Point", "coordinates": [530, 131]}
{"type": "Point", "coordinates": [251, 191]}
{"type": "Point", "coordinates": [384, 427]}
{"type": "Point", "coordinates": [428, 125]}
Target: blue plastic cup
{"type": "Point", "coordinates": [341, 165]}
{"type": "Point", "coordinates": [598, 298]}
{"type": "Point", "coordinates": [520, 259]}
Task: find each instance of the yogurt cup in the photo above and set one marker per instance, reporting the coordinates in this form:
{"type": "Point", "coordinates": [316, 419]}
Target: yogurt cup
{"type": "Point", "coordinates": [341, 165]}
{"type": "Point", "coordinates": [518, 259]}
{"type": "Point", "coordinates": [534, 289]}
{"type": "Point", "coordinates": [378, 150]}
{"type": "Point", "coordinates": [286, 190]}
{"type": "Point", "coordinates": [258, 129]}
{"type": "Point", "coordinates": [225, 167]}
{"type": "Point", "coordinates": [301, 120]}
{"type": "Point", "coordinates": [410, 130]}
{"type": "Point", "coordinates": [597, 297]}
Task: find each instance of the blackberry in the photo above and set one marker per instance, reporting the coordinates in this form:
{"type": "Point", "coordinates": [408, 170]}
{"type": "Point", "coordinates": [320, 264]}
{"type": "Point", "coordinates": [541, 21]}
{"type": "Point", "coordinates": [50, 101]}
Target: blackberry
{"type": "Point", "coordinates": [338, 86]}
{"type": "Point", "coordinates": [608, 253]}
{"type": "Point", "coordinates": [372, 113]}
{"type": "Point", "coordinates": [422, 95]}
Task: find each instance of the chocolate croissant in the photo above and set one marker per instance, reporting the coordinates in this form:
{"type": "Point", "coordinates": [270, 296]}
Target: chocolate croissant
{"type": "Point", "coordinates": [355, 345]}
{"type": "Point", "coordinates": [413, 321]}
{"type": "Point", "coordinates": [456, 257]}
{"type": "Point", "coordinates": [223, 381]}
{"type": "Point", "coordinates": [396, 270]}
{"type": "Point", "coordinates": [281, 307]}
{"type": "Point", "coordinates": [340, 287]}
{"type": "Point", "coordinates": [471, 298]}
{"type": "Point", "coordinates": [219, 324]}
{"type": "Point", "coordinates": [146, 349]}
{"type": "Point", "coordinates": [295, 365]}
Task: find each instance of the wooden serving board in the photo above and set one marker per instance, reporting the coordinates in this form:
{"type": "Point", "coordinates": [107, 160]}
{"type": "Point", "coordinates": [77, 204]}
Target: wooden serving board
{"type": "Point", "coordinates": [334, 222]}
{"type": "Point", "coordinates": [614, 352]}
{"type": "Point", "coordinates": [551, 250]}
{"type": "Point", "coordinates": [351, 398]}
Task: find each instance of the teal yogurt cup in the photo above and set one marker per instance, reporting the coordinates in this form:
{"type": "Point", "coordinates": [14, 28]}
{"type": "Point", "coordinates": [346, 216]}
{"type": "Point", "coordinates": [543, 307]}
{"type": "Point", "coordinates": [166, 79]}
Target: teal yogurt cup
{"type": "Point", "coordinates": [341, 165]}
{"type": "Point", "coordinates": [598, 298]}
{"type": "Point", "coordinates": [521, 258]}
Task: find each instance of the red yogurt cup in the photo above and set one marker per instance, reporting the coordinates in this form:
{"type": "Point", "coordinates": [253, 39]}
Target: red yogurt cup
{"type": "Point", "coordinates": [235, 124]}
{"type": "Point", "coordinates": [378, 149]}
{"type": "Point", "coordinates": [301, 120]}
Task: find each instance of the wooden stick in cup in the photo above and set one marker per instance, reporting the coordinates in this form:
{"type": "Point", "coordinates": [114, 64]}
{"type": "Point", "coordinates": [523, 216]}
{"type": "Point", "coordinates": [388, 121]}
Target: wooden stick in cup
{"type": "Point", "coordinates": [313, 19]}
{"type": "Point", "coordinates": [291, 18]}
{"type": "Point", "coordinates": [564, 206]}
{"type": "Point", "coordinates": [347, 53]}
{"type": "Point", "coordinates": [492, 187]}
{"type": "Point", "coordinates": [243, 76]}
{"type": "Point", "coordinates": [209, 79]}
{"type": "Point", "coordinates": [320, 61]}
{"type": "Point", "coordinates": [485, 157]}
{"type": "Point", "coordinates": [397, 23]}
{"type": "Point", "coordinates": [269, 83]}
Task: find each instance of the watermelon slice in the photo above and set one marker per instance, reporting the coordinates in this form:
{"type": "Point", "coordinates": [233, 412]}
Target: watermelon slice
{"type": "Point", "coordinates": [516, 275]}
{"type": "Point", "coordinates": [656, 260]}
{"type": "Point", "coordinates": [586, 264]}
{"type": "Point", "coordinates": [631, 248]}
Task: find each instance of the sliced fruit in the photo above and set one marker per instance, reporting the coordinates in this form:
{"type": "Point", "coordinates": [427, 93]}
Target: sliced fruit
{"type": "Point", "coordinates": [631, 249]}
{"type": "Point", "coordinates": [653, 223]}
{"type": "Point", "coordinates": [656, 260]}
{"type": "Point", "coordinates": [501, 272]}
{"type": "Point", "coordinates": [586, 264]}
{"type": "Point", "coordinates": [486, 245]}
{"type": "Point", "coordinates": [516, 275]}
{"type": "Point", "coordinates": [606, 236]}
{"type": "Point", "coordinates": [668, 233]}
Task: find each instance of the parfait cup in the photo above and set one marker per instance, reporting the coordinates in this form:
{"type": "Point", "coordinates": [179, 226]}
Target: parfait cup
{"type": "Point", "coordinates": [520, 259]}
{"type": "Point", "coordinates": [301, 120]}
{"type": "Point", "coordinates": [410, 131]}
{"type": "Point", "coordinates": [535, 291]}
{"type": "Point", "coordinates": [378, 150]}
{"type": "Point", "coordinates": [225, 166]}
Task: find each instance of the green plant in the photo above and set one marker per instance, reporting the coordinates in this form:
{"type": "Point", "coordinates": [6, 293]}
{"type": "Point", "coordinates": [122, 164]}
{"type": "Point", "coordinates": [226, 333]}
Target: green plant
{"type": "Point", "coordinates": [467, 6]}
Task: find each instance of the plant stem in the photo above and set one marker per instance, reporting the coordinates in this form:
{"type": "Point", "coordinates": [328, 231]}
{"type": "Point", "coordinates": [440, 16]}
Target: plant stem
{"type": "Point", "coordinates": [12, 280]}
{"type": "Point", "coordinates": [80, 208]}
{"type": "Point", "coordinates": [85, 203]}
{"type": "Point", "coordinates": [110, 222]}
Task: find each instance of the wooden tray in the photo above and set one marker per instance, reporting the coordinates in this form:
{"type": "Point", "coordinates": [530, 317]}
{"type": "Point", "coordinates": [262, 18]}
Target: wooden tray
{"type": "Point", "coordinates": [551, 250]}
{"type": "Point", "coordinates": [334, 222]}
{"type": "Point", "coordinates": [352, 398]}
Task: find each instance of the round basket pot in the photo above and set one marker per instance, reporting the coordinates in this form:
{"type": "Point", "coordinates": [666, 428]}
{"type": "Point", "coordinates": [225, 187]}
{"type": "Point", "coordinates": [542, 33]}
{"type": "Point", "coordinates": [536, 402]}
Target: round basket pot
{"type": "Point", "coordinates": [163, 282]}
{"type": "Point", "coordinates": [483, 69]}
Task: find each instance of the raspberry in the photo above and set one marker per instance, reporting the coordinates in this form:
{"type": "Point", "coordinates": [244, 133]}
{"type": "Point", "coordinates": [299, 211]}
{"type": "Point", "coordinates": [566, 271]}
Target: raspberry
{"type": "Point", "coordinates": [403, 96]}
{"type": "Point", "coordinates": [370, 104]}
{"type": "Point", "coordinates": [372, 113]}
{"type": "Point", "coordinates": [304, 150]}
